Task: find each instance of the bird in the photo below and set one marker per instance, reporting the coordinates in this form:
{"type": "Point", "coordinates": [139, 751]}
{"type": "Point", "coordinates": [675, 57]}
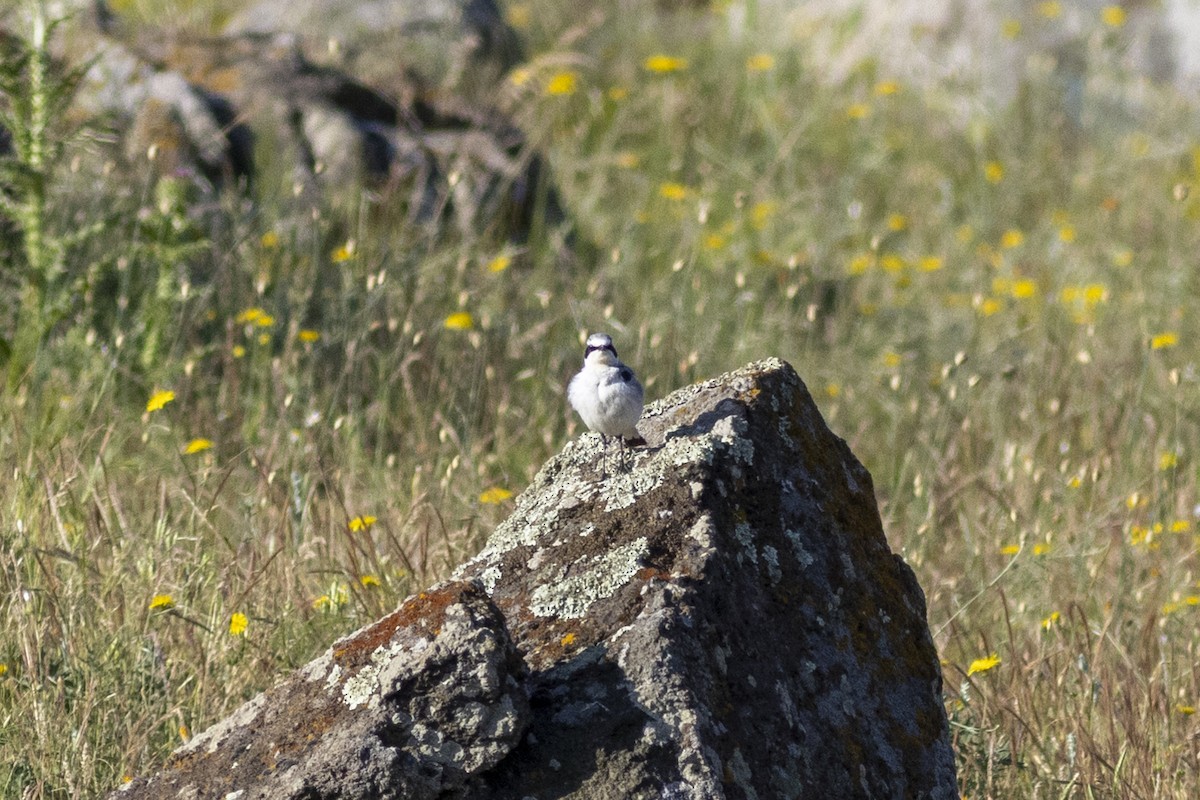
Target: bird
{"type": "Point", "coordinates": [606, 393]}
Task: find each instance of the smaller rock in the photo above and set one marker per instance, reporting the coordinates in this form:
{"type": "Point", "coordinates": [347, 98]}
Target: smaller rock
{"type": "Point", "coordinates": [415, 705]}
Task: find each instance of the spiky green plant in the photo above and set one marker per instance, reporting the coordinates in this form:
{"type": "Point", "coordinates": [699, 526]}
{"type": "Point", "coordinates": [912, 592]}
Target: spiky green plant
{"type": "Point", "coordinates": [36, 92]}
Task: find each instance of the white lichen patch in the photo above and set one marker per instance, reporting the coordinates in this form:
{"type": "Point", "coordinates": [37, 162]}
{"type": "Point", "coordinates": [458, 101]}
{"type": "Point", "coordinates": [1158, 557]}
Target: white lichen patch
{"type": "Point", "coordinates": [771, 557]}
{"type": "Point", "coordinates": [805, 558]}
{"type": "Point", "coordinates": [622, 491]}
{"type": "Point", "coordinates": [571, 597]}
{"type": "Point", "coordinates": [731, 430]}
{"type": "Point", "coordinates": [489, 577]}
{"type": "Point", "coordinates": [745, 536]}
{"type": "Point", "coordinates": [362, 688]}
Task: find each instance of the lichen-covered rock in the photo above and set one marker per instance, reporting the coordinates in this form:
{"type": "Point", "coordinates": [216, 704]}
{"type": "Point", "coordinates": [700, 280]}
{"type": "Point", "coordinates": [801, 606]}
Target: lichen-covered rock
{"type": "Point", "coordinates": [416, 705]}
{"type": "Point", "coordinates": [725, 619]}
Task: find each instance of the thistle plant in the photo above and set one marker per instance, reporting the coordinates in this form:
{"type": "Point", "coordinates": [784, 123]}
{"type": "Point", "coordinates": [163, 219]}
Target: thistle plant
{"type": "Point", "coordinates": [34, 93]}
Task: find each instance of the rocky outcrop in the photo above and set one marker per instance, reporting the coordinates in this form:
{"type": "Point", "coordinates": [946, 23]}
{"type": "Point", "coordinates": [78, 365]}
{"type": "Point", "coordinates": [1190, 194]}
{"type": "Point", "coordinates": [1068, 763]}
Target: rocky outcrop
{"type": "Point", "coordinates": [364, 114]}
{"type": "Point", "coordinates": [722, 619]}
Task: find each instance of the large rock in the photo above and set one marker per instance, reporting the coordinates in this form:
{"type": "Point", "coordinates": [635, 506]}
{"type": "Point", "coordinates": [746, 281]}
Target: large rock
{"type": "Point", "coordinates": [723, 618]}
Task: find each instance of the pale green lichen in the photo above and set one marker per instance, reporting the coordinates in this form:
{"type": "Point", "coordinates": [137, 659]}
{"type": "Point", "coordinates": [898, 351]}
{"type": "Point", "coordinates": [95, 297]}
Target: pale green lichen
{"type": "Point", "coordinates": [771, 557]}
{"type": "Point", "coordinates": [745, 536]}
{"type": "Point", "coordinates": [571, 597]}
{"type": "Point", "coordinates": [805, 558]}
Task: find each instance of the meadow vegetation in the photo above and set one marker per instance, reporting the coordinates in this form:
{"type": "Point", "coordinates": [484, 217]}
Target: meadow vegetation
{"type": "Point", "coordinates": [236, 436]}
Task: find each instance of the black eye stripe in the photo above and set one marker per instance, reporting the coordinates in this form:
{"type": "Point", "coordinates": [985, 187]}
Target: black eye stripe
{"type": "Point", "coordinates": [594, 347]}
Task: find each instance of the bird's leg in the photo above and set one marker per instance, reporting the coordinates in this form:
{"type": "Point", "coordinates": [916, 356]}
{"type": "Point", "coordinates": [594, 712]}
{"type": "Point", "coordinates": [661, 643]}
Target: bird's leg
{"type": "Point", "coordinates": [604, 457]}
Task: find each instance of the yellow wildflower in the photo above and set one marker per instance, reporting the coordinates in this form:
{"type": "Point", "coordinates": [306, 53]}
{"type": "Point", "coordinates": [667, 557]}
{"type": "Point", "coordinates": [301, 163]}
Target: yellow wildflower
{"type": "Point", "coordinates": [368, 581]}
{"type": "Point", "coordinates": [159, 399]}
{"type": "Point", "coordinates": [1162, 340]}
{"type": "Point", "coordinates": [760, 62]}
{"type": "Point", "coordinates": [930, 263]}
{"type": "Point", "coordinates": [1010, 549]}
{"type": "Point", "coordinates": [664, 64]}
{"type": "Point", "coordinates": [1167, 460]}
{"type": "Point", "coordinates": [887, 88]}
{"type": "Point", "coordinates": [858, 111]}
{"type": "Point", "coordinates": [673, 191]}
{"type": "Point", "coordinates": [1050, 9]}
{"type": "Point", "coordinates": [238, 351]}
{"type": "Point", "coordinates": [983, 664]}
{"type": "Point", "coordinates": [1012, 238]}
{"type": "Point", "coordinates": [567, 640]}
{"type": "Point", "coordinates": [1187, 711]}
{"type": "Point", "coordinates": [499, 263]}
{"type": "Point", "coordinates": [494, 495]}
{"type": "Point", "coordinates": [269, 240]}
{"type": "Point", "coordinates": [1010, 28]}
{"type": "Point", "coordinates": [1094, 294]}
{"type": "Point", "coordinates": [1066, 234]}
{"type": "Point", "coordinates": [249, 315]}
{"type": "Point", "coordinates": [989, 306]}
{"type": "Point", "coordinates": [1024, 288]}
{"type": "Point", "coordinates": [361, 523]}
{"type": "Point", "coordinates": [1113, 16]}
{"type": "Point", "coordinates": [162, 601]}
{"type": "Point", "coordinates": [520, 76]}
{"type": "Point", "coordinates": [993, 171]}
{"type": "Point", "coordinates": [897, 222]}
{"type": "Point", "coordinates": [1050, 620]}
{"type": "Point", "coordinates": [238, 623]}
{"type": "Point", "coordinates": [197, 446]}
{"type": "Point", "coordinates": [459, 321]}
{"type": "Point", "coordinates": [860, 263]}
{"type": "Point", "coordinates": [343, 253]}
{"type": "Point", "coordinates": [308, 336]}
{"type": "Point", "coordinates": [562, 83]}
{"type": "Point", "coordinates": [760, 212]}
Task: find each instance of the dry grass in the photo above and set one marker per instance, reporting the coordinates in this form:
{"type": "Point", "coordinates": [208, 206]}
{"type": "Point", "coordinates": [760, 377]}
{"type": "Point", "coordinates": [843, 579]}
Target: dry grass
{"type": "Point", "coordinates": [993, 310]}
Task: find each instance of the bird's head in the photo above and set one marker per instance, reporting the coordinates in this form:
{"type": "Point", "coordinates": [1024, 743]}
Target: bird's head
{"type": "Point", "coordinates": [600, 350]}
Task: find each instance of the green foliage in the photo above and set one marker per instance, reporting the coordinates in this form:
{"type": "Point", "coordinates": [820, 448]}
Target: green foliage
{"type": "Point", "coordinates": [37, 93]}
{"type": "Point", "coordinates": [991, 303]}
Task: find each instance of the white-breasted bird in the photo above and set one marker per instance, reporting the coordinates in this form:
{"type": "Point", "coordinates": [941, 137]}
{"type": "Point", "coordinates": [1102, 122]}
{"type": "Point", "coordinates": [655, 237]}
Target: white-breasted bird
{"type": "Point", "coordinates": [606, 393]}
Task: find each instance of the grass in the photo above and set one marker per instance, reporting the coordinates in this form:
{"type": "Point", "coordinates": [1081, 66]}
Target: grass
{"type": "Point", "coordinates": [990, 305]}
